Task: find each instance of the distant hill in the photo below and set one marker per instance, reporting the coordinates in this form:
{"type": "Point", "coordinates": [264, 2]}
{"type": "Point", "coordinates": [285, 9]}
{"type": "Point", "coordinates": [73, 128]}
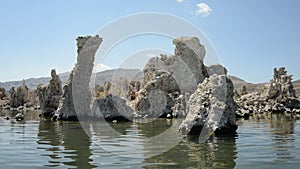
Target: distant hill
{"type": "Point", "coordinates": [101, 77]}
{"type": "Point", "coordinates": [32, 83]}
{"type": "Point", "coordinates": [130, 74]}
{"type": "Point", "coordinates": [297, 87]}
{"type": "Point", "coordinates": [239, 83]}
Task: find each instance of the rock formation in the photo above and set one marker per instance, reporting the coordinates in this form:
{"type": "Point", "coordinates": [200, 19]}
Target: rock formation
{"type": "Point", "coordinates": [243, 91]}
{"type": "Point", "coordinates": [2, 93]}
{"type": "Point", "coordinates": [33, 100]}
{"type": "Point", "coordinates": [66, 105]}
{"type": "Point", "coordinates": [4, 101]}
{"type": "Point", "coordinates": [281, 84]}
{"type": "Point", "coordinates": [278, 96]}
{"type": "Point", "coordinates": [112, 108]}
{"type": "Point", "coordinates": [77, 95]}
{"type": "Point", "coordinates": [192, 53]}
{"type": "Point", "coordinates": [133, 89]}
{"type": "Point", "coordinates": [165, 88]}
{"type": "Point", "coordinates": [216, 69]}
{"type": "Point", "coordinates": [18, 97]}
{"type": "Point", "coordinates": [212, 107]}
{"type": "Point", "coordinates": [167, 79]}
{"type": "Point", "coordinates": [49, 95]}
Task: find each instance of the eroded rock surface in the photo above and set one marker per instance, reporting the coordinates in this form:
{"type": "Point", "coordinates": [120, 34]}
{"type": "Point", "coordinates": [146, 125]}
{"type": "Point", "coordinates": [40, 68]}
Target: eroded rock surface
{"type": "Point", "coordinates": [168, 78]}
{"type": "Point", "coordinates": [277, 96]}
{"type": "Point", "coordinates": [77, 95]}
{"type": "Point", "coordinates": [212, 107]}
{"type": "Point", "coordinates": [112, 108]}
{"type": "Point", "coordinates": [18, 97]}
{"type": "Point", "coordinates": [216, 69]}
{"type": "Point", "coordinates": [50, 94]}
{"type": "Point", "coordinates": [2, 93]}
{"type": "Point", "coordinates": [4, 101]}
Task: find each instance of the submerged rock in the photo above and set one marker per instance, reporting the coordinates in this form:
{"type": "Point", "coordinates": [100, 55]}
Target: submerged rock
{"type": "Point", "coordinates": [211, 107]}
{"type": "Point", "coordinates": [77, 96]}
{"type": "Point", "coordinates": [49, 95]}
{"type": "Point", "coordinates": [19, 117]}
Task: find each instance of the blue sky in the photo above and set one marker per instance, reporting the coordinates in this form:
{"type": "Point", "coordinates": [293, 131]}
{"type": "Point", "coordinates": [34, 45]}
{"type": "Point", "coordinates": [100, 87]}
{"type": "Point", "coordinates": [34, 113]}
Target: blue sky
{"type": "Point", "coordinates": [251, 37]}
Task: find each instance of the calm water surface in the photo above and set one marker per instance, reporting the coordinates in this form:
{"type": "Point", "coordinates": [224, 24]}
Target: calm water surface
{"type": "Point", "coordinates": [262, 142]}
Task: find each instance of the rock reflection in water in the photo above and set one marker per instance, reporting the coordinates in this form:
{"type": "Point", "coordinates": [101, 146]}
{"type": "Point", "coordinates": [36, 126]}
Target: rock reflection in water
{"type": "Point", "coordinates": [263, 141]}
{"type": "Point", "coordinates": [283, 136]}
{"type": "Point", "coordinates": [268, 139]}
{"type": "Point", "coordinates": [218, 152]}
{"type": "Point", "coordinates": [65, 143]}
{"type": "Point", "coordinates": [139, 139]}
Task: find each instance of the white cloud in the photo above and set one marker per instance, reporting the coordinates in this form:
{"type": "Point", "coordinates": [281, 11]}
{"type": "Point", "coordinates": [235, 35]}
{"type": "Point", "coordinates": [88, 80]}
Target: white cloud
{"type": "Point", "coordinates": [101, 67]}
{"type": "Point", "coordinates": [204, 10]}
{"type": "Point", "coordinates": [151, 55]}
{"type": "Point", "coordinates": [179, 1]}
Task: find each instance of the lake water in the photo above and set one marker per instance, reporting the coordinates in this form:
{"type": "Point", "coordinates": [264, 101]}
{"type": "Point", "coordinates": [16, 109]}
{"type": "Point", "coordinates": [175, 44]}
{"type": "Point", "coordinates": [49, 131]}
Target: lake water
{"type": "Point", "coordinates": [262, 142]}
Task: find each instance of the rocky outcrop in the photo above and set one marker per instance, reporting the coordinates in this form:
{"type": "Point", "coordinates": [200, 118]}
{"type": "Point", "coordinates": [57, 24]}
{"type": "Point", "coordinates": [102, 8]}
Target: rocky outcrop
{"type": "Point", "coordinates": [211, 107]}
{"type": "Point", "coordinates": [66, 105]}
{"type": "Point", "coordinates": [192, 53]}
{"type": "Point", "coordinates": [4, 101]}
{"type": "Point", "coordinates": [77, 96]}
{"type": "Point", "coordinates": [167, 79]}
{"type": "Point", "coordinates": [2, 93]}
{"type": "Point", "coordinates": [33, 100]}
{"type": "Point", "coordinates": [112, 108]}
{"type": "Point", "coordinates": [21, 99]}
{"type": "Point", "coordinates": [277, 96]}
{"type": "Point", "coordinates": [281, 85]}
{"type": "Point", "coordinates": [216, 69]}
{"type": "Point", "coordinates": [243, 91]}
{"type": "Point", "coordinates": [49, 95]}
{"type": "Point", "coordinates": [18, 97]}
{"type": "Point", "coordinates": [133, 89]}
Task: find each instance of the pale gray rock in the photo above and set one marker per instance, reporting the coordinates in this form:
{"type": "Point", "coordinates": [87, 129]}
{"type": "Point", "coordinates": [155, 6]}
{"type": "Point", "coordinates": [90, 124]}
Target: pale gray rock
{"type": "Point", "coordinates": [192, 53]}
{"type": "Point", "coordinates": [66, 110]}
{"type": "Point", "coordinates": [169, 77]}
{"type": "Point", "coordinates": [216, 69]}
{"type": "Point", "coordinates": [277, 96]}
{"type": "Point", "coordinates": [77, 95]}
{"type": "Point", "coordinates": [212, 107]}
{"type": "Point", "coordinates": [281, 85]}
{"type": "Point", "coordinates": [112, 108]}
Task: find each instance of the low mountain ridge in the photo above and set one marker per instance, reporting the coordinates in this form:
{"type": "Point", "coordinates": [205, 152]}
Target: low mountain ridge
{"type": "Point", "coordinates": [239, 83]}
{"type": "Point", "coordinates": [101, 77]}
{"type": "Point", "coordinates": [131, 74]}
